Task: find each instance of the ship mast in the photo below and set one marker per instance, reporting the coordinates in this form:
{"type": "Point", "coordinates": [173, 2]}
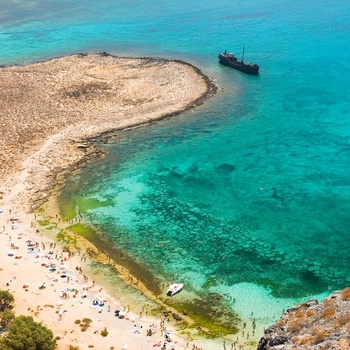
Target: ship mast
{"type": "Point", "coordinates": [243, 53]}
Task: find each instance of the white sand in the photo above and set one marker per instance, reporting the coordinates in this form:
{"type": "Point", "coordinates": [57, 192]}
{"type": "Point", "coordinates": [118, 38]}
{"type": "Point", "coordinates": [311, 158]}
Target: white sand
{"type": "Point", "coordinates": [23, 265]}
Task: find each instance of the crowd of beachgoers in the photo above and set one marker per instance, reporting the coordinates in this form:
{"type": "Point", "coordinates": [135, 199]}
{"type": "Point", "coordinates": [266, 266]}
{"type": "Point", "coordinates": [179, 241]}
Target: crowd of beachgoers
{"type": "Point", "coordinates": [50, 285]}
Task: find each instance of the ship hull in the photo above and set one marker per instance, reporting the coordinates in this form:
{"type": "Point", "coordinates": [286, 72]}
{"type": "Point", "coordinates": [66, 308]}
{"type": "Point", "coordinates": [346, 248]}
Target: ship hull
{"type": "Point", "coordinates": [231, 61]}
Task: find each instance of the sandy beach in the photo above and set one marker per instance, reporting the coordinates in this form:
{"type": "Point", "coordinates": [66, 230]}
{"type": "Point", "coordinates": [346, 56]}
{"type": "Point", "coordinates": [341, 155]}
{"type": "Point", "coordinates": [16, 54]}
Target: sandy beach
{"type": "Point", "coordinates": [51, 113]}
{"type": "Point", "coordinates": [48, 286]}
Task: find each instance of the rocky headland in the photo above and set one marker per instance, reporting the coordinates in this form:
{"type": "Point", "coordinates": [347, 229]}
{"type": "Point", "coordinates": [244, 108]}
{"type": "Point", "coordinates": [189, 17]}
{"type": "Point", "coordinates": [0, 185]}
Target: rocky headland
{"type": "Point", "coordinates": [312, 325]}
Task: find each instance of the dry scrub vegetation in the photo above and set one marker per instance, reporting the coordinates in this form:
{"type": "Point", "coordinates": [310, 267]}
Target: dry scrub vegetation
{"type": "Point", "coordinates": [313, 325]}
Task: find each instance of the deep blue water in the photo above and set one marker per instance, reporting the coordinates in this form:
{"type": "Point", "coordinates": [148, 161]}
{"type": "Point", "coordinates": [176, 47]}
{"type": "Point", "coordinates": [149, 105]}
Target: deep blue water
{"type": "Point", "coordinates": [247, 196]}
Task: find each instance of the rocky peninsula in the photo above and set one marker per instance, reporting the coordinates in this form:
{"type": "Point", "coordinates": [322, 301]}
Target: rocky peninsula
{"type": "Point", "coordinates": [312, 325]}
{"type": "Point", "coordinates": [52, 111]}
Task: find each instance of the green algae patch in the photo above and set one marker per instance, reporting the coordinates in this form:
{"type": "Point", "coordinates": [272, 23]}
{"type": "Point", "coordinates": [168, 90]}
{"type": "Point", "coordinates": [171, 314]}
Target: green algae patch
{"type": "Point", "coordinates": [60, 236]}
{"type": "Point", "coordinates": [44, 222]}
{"type": "Point", "coordinates": [68, 208]}
{"type": "Point", "coordinates": [208, 316]}
{"type": "Point", "coordinates": [66, 237]}
{"type": "Point", "coordinates": [85, 204]}
{"type": "Point", "coordinates": [82, 230]}
{"type": "Point", "coordinates": [210, 282]}
{"type": "Point", "coordinates": [47, 224]}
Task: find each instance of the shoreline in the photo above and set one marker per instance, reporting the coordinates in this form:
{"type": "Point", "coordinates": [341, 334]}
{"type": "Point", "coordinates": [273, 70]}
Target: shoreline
{"type": "Point", "coordinates": [50, 305]}
{"type": "Point", "coordinates": [39, 166]}
{"type": "Point", "coordinates": [135, 275]}
{"type": "Point", "coordinates": [80, 145]}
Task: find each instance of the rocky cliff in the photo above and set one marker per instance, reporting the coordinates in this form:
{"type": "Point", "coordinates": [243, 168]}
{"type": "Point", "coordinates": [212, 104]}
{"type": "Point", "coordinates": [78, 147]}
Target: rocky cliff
{"type": "Point", "coordinates": [312, 325]}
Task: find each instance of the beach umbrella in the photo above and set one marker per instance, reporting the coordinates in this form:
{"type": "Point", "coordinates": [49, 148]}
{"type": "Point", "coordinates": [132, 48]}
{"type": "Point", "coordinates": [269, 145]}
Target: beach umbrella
{"type": "Point", "coordinates": [124, 347]}
{"type": "Point", "coordinates": [167, 335]}
{"type": "Point", "coordinates": [132, 318]}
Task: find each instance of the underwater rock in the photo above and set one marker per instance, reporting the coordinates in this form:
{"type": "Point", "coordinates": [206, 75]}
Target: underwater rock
{"type": "Point", "coordinates": [177, 317]}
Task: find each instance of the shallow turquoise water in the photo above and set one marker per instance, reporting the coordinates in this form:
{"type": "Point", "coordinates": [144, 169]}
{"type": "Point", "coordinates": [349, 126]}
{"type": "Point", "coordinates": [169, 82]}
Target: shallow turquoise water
{"type": "Point", "coordinates": [248, 195]}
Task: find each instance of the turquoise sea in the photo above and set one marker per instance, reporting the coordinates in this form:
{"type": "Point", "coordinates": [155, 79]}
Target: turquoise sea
{"type": "Point", "coordinates": [247, 196]}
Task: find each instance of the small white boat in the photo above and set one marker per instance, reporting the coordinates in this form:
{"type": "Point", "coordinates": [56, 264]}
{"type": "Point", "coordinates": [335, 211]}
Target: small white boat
{"type": "Point", "coordinates": [173, 289]}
